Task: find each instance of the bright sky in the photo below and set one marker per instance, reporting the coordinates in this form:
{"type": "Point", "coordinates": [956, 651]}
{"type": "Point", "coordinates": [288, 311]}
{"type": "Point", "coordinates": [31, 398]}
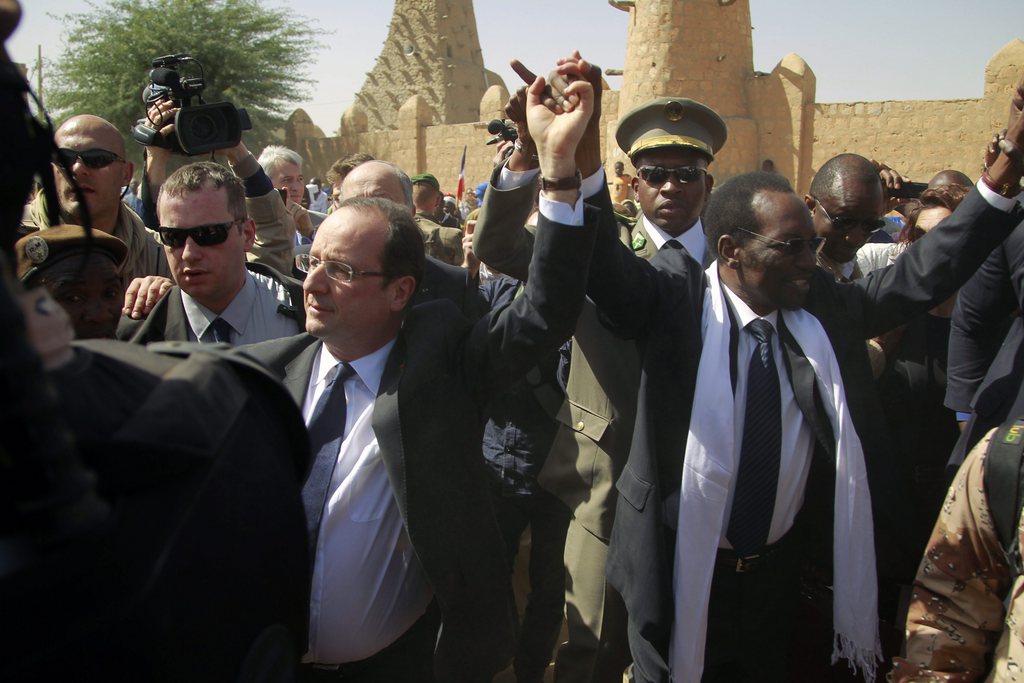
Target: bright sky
{"type": "Point", "coordinates": [860, 51]}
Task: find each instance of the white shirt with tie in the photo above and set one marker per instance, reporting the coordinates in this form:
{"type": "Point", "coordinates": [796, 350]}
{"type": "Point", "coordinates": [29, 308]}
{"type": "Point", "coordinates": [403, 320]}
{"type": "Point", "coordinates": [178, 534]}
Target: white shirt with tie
{"type": "Point", "coordinates": [368, 586]}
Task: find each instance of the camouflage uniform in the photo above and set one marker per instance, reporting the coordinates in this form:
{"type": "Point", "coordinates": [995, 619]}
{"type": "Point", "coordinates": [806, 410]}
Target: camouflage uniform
{"type": "Point", "coordinates": [957, 623]}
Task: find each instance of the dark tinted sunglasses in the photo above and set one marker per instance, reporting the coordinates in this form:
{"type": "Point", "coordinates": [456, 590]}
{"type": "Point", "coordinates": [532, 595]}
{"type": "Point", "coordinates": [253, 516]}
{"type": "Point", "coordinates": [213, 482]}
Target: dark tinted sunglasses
{"type": "Point", "coordinates": [92, 158]}
{"type": "Point", "coordinates": [203, 235]}
{"type": "Point", "coordinates": [790, 247]}
{"type": "Point", "coordinates": [847, 223]}
{"type": "Point", "coordinates": [657, 175]}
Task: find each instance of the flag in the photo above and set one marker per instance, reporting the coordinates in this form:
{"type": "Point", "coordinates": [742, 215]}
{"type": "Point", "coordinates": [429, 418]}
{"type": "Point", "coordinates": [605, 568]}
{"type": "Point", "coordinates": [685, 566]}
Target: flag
{"type": "Point", "coordinates": [462, 177]}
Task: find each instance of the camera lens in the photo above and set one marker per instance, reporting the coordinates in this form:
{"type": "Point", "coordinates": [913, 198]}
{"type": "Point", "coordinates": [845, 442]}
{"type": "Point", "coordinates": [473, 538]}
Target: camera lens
{"type": "Point", "coordinates": [203, 127]}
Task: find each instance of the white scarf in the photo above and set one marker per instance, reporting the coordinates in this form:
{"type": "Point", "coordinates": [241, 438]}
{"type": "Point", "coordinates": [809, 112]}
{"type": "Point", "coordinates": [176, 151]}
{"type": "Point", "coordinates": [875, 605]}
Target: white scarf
{"type": "Point", "coordinates": [709, 469]}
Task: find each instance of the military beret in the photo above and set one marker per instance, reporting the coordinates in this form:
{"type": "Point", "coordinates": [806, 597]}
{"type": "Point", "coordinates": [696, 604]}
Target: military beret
{"type": "Point", "coordinates": [671, 122]}
{"type": "Point", "coordinates": [44, 248]}
{"type": "Point", "coordinates": [427, 178]}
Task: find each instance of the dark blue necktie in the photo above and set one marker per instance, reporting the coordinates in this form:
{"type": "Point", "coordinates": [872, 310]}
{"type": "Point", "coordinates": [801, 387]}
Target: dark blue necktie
{"type": "Point", "coordinates": [758, 474]}
{"type": "Point", "coordinates": [326, 432]}
{"type": "Point", "coordinates": [221, 330]}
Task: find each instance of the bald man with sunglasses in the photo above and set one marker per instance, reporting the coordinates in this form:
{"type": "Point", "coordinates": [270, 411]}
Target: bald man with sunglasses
{"type": "Point", "coordinates": [219, 296]}
{"type": "Point", "coordinates": [92, 156]}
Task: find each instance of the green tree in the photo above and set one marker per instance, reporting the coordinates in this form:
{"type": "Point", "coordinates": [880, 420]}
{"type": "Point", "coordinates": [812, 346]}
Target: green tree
{"type": "Point", "coordinates": [253, 57]}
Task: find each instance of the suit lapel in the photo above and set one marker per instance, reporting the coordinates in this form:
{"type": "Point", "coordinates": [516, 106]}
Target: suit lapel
{"type": "Point", "coordinates": [177, 321]}
{"type": "Point", "coordinates": [805, 390]}
{"type": "Point", "coordinates": [387, 422]}
{"type": "Point", "coordinates": [298, 373]}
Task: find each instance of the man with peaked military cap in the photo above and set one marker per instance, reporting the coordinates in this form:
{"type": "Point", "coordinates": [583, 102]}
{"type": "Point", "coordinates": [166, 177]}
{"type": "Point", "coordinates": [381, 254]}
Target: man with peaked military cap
{"type": "Point", "coordinates": [81, 272]}
{"type": "Point", "coordinates": [671, 141]}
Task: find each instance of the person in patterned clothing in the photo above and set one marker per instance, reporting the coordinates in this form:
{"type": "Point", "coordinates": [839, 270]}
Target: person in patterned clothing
{"type": "Point", "coordinates": [958, 630]}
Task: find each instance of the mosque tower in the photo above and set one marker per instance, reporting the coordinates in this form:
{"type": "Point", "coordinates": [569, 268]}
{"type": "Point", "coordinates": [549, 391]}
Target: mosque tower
{"type": "Point", "coordinates": [432, 50]}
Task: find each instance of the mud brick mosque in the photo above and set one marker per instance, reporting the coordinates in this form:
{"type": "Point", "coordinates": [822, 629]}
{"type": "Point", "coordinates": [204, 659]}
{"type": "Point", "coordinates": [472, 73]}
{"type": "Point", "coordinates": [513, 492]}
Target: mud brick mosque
{"type": "Point", "coordinates": [429, 95]}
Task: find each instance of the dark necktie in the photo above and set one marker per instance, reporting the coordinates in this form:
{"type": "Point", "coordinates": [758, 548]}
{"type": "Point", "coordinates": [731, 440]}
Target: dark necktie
{"type": "Point", "coordinates": [221, 330]}
{"type": "Point", "coordinates": [326, 432]}
{"type": "Point", "coordinates": [758, 474]}
{"type": "Point", "coordinates": [672, 244]}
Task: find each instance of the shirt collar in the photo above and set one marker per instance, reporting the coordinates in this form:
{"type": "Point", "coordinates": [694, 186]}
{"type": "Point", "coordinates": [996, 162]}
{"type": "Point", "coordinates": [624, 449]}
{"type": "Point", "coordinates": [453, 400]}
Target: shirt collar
{"type": "Point", "coordinates": [743, 313]}
{"type": "Point", "coordinates": [693, 240]}
{"type": "Point", "coordinates": [369, 368]}
{"type": "Point", "coordinates": [237, 314]}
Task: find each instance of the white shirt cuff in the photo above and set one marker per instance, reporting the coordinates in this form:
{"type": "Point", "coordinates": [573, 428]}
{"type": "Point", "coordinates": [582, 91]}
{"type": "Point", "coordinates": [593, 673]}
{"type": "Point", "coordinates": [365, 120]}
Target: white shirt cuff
{"type": "Point", "coordinates": [510, 180]}
{"type": "Point", "coordinates": [996, 200]}
{"type": "Point", "coordinates": [560, 212]}
{"type": "Point", "coordinates": [592, 184]}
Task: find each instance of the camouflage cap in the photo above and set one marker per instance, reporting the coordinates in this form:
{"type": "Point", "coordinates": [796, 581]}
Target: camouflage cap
{"type": "Point", "coordinates": [42, 249]}
{"type": "Point", "coordinates": [671, 122]}
{"type": "Point", "coordinates": [427, 178]}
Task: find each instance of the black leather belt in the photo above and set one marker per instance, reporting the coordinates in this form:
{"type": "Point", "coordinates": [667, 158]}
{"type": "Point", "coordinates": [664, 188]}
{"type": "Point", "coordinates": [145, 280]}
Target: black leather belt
{"type": "Point", "coordinates": [728, 559]}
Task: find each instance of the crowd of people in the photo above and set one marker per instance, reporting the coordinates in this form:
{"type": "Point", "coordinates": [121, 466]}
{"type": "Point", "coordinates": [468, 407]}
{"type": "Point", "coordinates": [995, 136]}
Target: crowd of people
{"type": "Point", "coordinates": [728, 414]}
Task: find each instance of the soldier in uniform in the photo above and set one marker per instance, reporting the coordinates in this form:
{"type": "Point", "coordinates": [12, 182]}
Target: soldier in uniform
{"type": "Point", "coordinates": [671, 142]}
{"type": "Point", "coordinates": [80, 271]}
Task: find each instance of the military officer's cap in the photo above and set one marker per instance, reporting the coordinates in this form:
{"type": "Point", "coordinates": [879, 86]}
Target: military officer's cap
{"type": "Point", "coordinates": [671, 122]}
{"type": "Point", "coordinates": [427, 178]}
{"type": "Point", "coordinates": [44, 248]}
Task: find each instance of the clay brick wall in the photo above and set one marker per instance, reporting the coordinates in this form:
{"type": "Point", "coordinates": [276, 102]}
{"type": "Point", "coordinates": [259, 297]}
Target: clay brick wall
{"type": "Point", "coordinates": [433, 111]}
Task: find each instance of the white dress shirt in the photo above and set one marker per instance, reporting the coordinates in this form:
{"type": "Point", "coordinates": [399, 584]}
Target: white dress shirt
{"type": "Point", "coordinates": [368, 585]}
{"type": "Point", "coordinates": [797, 437]}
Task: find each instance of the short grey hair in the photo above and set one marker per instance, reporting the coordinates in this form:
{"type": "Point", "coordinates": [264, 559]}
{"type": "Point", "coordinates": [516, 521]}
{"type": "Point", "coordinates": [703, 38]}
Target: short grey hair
{"type": "Point", "coordinates": [406, 181]}
{"type": "Point", "coordinates": [273, 156]}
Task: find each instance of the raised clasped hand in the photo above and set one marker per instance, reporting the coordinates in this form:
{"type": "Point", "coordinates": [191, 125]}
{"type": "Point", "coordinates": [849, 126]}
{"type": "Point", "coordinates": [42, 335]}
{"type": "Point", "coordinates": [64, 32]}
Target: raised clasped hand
{"type": "Point", "coordinates": [555, 133]}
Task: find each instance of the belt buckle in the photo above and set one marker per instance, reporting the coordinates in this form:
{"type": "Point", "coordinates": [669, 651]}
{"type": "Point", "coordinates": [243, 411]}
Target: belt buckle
{"type": "Point", "coordinates": [747, 564]}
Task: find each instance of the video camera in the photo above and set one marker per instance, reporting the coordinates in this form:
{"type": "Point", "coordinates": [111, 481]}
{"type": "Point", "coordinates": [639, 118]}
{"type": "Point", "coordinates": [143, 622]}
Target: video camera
{"type": "Point", "coordinates": [199, 128]}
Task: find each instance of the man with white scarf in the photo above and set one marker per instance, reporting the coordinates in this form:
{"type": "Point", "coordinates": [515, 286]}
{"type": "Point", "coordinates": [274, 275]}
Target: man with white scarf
{"type": "Point", "coordinates": [715, 600]}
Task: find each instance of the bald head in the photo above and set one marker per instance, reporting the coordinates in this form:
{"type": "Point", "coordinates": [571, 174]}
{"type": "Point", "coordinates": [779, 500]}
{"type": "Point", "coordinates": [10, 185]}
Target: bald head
{"type": "Point", "coordinates": [90, 129]}
{"type": "Point", "coordinates": [841, 172]}
{"type": "Point", "coordinates": [949, 177]}
{"type": "Point", "coordinates": [378, 179]}
{"type": "Point", "coordinates": [100, 184]}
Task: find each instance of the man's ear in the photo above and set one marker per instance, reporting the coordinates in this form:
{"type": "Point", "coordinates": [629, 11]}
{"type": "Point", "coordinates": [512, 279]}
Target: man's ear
{"type": "Point", "coordinates": [810, 202]}
{"type": "Point", "coordinates": [728, 251]}
{"type": "Point", "coordinates": [709, 183]}
{"type": "Point", "coordinates": [634, 184]}
{"type": "Point", "coordinates": [129, 171]}
{"type": "Point", "coordinates": [249, 233]}
{"type": "Point", "coordinates": [403, 289]}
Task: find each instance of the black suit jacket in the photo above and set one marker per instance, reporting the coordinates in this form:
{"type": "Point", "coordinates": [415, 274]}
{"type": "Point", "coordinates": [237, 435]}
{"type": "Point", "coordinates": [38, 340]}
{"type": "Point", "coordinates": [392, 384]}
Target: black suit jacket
{"type": "Point", "coordinates": [660, 304]}
{"type": "Point", "coordinates": [429, 425]}
{"type": "Point", "coordinates": [986, 362]}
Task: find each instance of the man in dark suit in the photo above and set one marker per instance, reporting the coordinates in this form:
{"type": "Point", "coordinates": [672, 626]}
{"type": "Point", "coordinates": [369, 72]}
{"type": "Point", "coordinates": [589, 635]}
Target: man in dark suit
{"type": "Point", "coordinates": [672, 141]}
{"type": "Point", "coordinates": [403, 533]}
{"type": "Point", "coordinates": [724, 534]}
{"type": "Point", "coordinates": [986, 362]}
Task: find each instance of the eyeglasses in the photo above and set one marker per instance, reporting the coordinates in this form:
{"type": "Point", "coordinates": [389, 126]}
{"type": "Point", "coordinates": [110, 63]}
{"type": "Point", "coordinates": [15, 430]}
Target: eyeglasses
{"type": "Point", "coordinates": [657, 175]}
{"type": "Point", "coordinates": [848, 223]}
{"type": "Point", "coordinates": [790, 247]}
{"type": "Point", "coordinates": [203, 235]}
{"type": "Point", "coordinates": [92, 158]}
{"type": "Point", "coordinates": [336, 270]}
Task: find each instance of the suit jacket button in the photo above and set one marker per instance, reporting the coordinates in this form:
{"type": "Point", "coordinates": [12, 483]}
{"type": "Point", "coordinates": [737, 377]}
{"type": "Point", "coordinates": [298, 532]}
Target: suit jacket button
{"type": "Point", "coordinates": [579, 426]}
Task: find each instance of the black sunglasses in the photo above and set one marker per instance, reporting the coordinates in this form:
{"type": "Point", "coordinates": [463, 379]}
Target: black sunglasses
{"type": "Point", "coordinates": [848, 223]}
{"type": "Point", "coordinates": [203, 235]}
{"type": "Point", "coordinates": [92, 158]}
{"type": "Point", "coordinates": [657, 175]}
{"type": "Point", "coordinates": [790, 247]}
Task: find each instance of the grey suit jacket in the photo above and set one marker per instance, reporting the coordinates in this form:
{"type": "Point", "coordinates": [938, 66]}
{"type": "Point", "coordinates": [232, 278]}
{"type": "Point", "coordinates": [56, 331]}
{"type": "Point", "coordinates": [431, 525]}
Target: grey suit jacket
{"type": "Point", "coordinates": [429, 426]}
